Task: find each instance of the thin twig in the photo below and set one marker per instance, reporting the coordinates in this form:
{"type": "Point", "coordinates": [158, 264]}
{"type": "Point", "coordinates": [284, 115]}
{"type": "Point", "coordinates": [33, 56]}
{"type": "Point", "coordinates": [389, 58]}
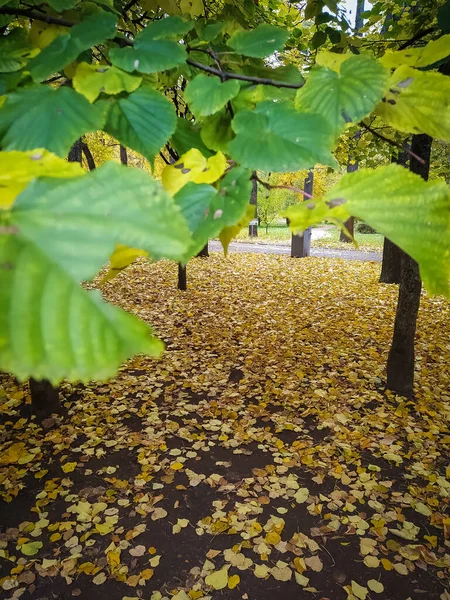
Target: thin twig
{"type": "Point", "coordinates": [269, 186]}
{"type": "Point", "coordinates": [89, 158]}
{"type": "Point", "coordinates": [257, 80]}
{"type": "Point", "coordinates": [31, 14]}
{"type": "Point", "coordinates": [391, 142]}
{"type": "Point", "coordinates": [419, 35]}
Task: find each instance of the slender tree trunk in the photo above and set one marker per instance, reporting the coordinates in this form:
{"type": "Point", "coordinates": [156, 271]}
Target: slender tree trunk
{"type": "Point", "coordinates": [123, 155]}
{"type": "Point", "coordinates": [204, 251]}
{"type": "Point", "coordinates": [352, 166]}
{"type": "Point", "coordinates": [88, 155]}
{"type": "Point", "coordinates": [391, 266]}
{"type": "Point", "coordinates": [301, 244]}
{"type": "Point", "coordinates": [253, 227]}
{"type": "Point", "coordinates": [182, 283]}
{"type": "Point", "coordinates": [401, 359]}
{"type": "Point", "coordinates": [44, 397]}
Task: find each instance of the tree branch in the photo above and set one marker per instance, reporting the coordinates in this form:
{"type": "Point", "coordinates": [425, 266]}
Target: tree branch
{"type": "Point", "coordinates": [257, 80]}
{"type": "Point", "coordinates": [31, 14]}
{"type": "Point", "coordinates": [269, 186]}
{"type": "Point", "coordinates": [391, 142]}
{"type": "Point", "coordinates": [89, 158]}
{"type": "Point", "coordinates": [419, 35]}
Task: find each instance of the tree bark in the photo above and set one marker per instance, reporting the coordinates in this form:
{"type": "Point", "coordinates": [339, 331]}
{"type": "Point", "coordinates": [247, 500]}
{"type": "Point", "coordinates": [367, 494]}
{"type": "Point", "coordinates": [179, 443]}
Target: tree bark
{"type": "Point", "coordinates": [44, 397]}
{"type": "Point", "coordinates": [182, 283]}
{"type": "Point", "coordinates": [253, 228]}
{"type": "Point", "coordinates": [204, 251]}
{"type": "Point", "coordinates": [352, 166]}
{"type": "Point", "coordinates": [123, 155]}
{"type": "Point", "coordinates": [391, 266]}
{"type": "Point", "coordinates": [301, 244]}
{"type": "Point", "coordinates": [401, 359]}
{"type": "Point", "coordinates": [88, 155]}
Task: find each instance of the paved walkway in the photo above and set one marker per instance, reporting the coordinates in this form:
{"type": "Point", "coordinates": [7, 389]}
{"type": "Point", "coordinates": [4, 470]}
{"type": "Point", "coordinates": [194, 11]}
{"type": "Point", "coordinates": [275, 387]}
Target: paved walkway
{"type": "Point", "coordinates": [285, 249]}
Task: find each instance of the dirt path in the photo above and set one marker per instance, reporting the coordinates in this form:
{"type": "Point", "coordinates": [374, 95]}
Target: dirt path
{"type": "Point", "coordinates": [286, 249]}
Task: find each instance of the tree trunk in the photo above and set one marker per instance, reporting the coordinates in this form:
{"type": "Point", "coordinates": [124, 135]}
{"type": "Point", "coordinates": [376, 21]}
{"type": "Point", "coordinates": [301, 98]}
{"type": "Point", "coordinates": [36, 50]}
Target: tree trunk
{"type": "Point", "coordinates": [401, 359]}
{"type": "Point", "coordinates": [352, 166]}
{"type": "Point", "coordinates": [253, 227]}
{"type": "Point", "coordinates": [123, 155]}
{"type": "Point", "coordinates": [182, 283]}
{"type": "Point", "coordinates": [359, 21]}
{"type": "Point", "coordinates": [204, 251]}
{"type": "Point", "coordinates": [391, 266]}
{"type": "Point", "coordinates": [301, 244]}
{"type": "Point", "coordinates": [88, 155]}
{"type": "Point", "coordinates": [44, 397]}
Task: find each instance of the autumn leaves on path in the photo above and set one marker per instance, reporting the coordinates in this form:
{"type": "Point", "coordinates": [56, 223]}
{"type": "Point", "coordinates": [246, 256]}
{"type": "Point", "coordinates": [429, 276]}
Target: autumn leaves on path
{"type": "Point", "coordinates": [259, 458]}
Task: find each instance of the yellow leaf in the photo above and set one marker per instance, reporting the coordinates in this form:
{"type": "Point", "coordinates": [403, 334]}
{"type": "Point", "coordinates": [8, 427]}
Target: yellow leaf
{"type": "Point", "coordinates": [176, 466]}
{"type": "Point", "coordinates": [122, 257]}
{"type": "Point", "coordinates": [433, 52]}
{"type": "Point", "coordinates": [113, 558]}
{"type": "Point", "coordinates": [104, 528]}
{"type": "Point", "coordinates": [68, 467]}
{"type": "Point", "coordinates": [301, 579]}
{"type": "Point", "coordinates": [233, 581]}
{"type": "Point", "coordinates": [375, 586]}
{"type": "Point", "coordinates": [301, 495]}
{"type": "Point", "coordinates": [228, 233]}
{"type": "Point", "coordinates": [371, 561]}
{"type": "Point", "coordinates": [193, 166]}
{"type": "Point", "coordinates": [18, 169]}
{"type": "Point", "coordinates": [31, 548]}
{"type": "Point", "coordinates": [91, 80]}
{"type": "Point", "coordinates": [359, 591]}
{"type": "Point", "coordinates": [273, 538]}
{"type": "Point", "coordinates": [100, 578]}
{"type": "Point", "coordinates": [332, 60]}
{"type": "Point", "coordinates": [218, 579]}
{"type": "Point", "coordinates": [261, 571]}
{"type": "Point", "coordinates": [387, 565]}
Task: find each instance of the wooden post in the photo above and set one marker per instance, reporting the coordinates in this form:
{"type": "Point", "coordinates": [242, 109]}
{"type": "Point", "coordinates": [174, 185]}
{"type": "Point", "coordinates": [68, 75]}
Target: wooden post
{"type": "Point", "coordinates": [301, 244]}
{"type": "Point", "coordinates": [182, 283]}
{"type": "Point", "coordinates": [253, 225]}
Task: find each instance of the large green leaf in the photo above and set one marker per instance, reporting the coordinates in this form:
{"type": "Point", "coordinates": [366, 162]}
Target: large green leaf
{"type": "Point", "coordinates": [216, 131]}
{"type": "Point", "coordinates": [418, 102]}
{"type": "Point", "coordinates": [62, 5]}
{"type": "Point", "coordinates": [78, 222]}
{"type": "Point", "coordinates": [274, 137]}
{"type": "Point", "coordinates": [52, 328]}
{"type": "Point", "coordinates": [43, 117]}
{"type": "Point", "coordinates": [259, 42]}
{"type": "Point", "coordinates": [206, 95]}
{"type": "Point", "coordinates": [154, 49]}
{"type": "Point", "coordinates": [209, 211]}
{"type": "Point", "coordinates": [346, 96]}
{"type": "Point", "coordinates": [15, 51]}
{"type": "Point", "coordinates": [144, 121]}
{"type": "Point", "coordinates": [187, 136]}
{"type": "Point", "coordinates": [94, 30]}
{"type": "Point", "coordinates": [414, 214]}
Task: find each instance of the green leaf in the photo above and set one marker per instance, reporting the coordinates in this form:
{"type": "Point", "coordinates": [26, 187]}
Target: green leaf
{"type": "Point", "coordinates": [62, 5]}
{"type": "Point", "coordinates": [417, 102]}
{"type": "Point", "coordinates": [73, 334]}
{"type": "Point", "coordinates": [318, 39]}
{"type": "Point", "coordinates": [140, 213]}
{"type": "Point", "coordinates": [43, 117]}
{"type": "Point", "coordinates": [444, 17]}
{"type": "Point", "coordinates": [168, 28]}
{"type": "Point", "coordinates": [227, 207]}
{"type": "Point", "coordinates": [194, 201]}
{"type": "Point", "coordinates": [91, 80]}
{"type": "Point", "coordinates": [433, 52]}
{"type": "Point", "coordinates": [343, 97]}
{"type": "Point", "coordinates": [259, 42]}
{"type": "Point", "coordinates": [152, 51]}
{"type": "Point", "coordinates": [209, 33]}
{"type": "Point", "coordinates": [15, 51]}
{"type": "Point", "coordinates": [206, 95]}
{"type": "Point", "coordinates": [216, 131]}
{"type": "Point", "coordinates": [274, 137]}
{"type": "Point", "coordinates": [411, 212]}
{"type": "Point", "coordinates": [94, 30]}
{"type": "Point", "coordinates": [144, 121]}
{"type": "Point", "coordinates": [187, 136]}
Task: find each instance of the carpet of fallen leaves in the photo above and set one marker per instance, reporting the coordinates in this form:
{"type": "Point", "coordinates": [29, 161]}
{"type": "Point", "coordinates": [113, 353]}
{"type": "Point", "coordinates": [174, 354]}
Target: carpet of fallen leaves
{"type": "Point", "coordinates": [259, 458]}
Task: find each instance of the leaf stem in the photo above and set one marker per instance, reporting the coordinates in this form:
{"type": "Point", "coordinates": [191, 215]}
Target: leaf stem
{"type": "Point", "coordinates": [269, 186]}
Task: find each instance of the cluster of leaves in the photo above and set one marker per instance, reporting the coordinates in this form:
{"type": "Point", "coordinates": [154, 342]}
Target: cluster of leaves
{"type": "Point", "coordinates": [269, 461]}
{"type": "Point", "coordinates": [210, 83]}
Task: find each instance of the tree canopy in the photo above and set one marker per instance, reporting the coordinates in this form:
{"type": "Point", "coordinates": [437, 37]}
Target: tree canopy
{"type": "Point", "coordinates": [219, 90]}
